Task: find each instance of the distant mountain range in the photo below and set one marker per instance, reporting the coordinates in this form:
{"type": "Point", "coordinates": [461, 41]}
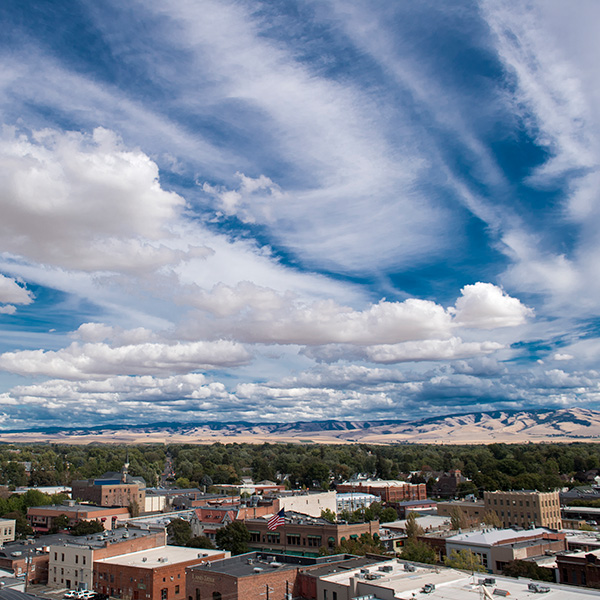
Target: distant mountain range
{"type": "Point", "coordinates": [564, 425]}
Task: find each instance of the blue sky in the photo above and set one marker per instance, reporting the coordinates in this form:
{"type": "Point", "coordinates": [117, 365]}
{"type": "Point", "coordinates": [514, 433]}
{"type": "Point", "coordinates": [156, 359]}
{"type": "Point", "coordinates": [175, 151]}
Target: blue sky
{"type": "Point", "coordinates": [280, 211]}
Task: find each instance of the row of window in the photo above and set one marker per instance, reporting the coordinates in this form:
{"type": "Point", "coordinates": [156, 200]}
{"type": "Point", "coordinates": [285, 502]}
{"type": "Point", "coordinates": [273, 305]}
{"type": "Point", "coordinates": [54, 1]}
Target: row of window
{"type": "Point", "coordinates": [62, 558]}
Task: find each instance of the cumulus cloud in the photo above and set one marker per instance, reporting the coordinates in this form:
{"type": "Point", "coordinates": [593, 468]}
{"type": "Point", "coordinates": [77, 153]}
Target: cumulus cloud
{"type": "Point", "coordinates": [117, 399]}
{"type": "Point", "coordinates": [257, 314]}
{"type": "Point", "coordinates": [430, 350]}
{"type": "Point", "coordinates": [12, 292]}
{"type": "Point", "coordinates": [84, 202]}
{"type": "Point", "coordinates": [563, 356]}
{"type": "Point", "coordinates": [486, 306]}
{"type": "Point", "coordinates": [98, 360]}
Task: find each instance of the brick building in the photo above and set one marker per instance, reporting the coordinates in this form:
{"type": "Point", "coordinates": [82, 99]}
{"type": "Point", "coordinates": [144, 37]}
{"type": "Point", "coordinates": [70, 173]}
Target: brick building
{"type": "Point", "coordinates": [112, 489]}
{"type": "Point", "coordinates": [41, 518]}
{"type": "Point", "coordinates": [255, 576]}
{"type": "Point", "coordinates": [447, 484]}
{"type": "Point", "coordinates": [472, 510]}
{"type": "Point", "coordinates": [525, 508]}
{"type": "Point", "coordinates": [157, 574]}
{"type": "Point", "coordinates": [389, 491]}
{"type": "Point", "coordinates": [26, 560]}
{"type": "Point", "coordinates": [207, 520]}
{"type": "Point", "coordinates": [579, 569]}
{"type": "Point", "coordinates": [302, 534]}
{"type": "Point", "coordinates": [71, 560]}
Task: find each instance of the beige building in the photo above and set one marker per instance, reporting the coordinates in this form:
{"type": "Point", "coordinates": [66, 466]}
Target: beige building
{"type": "Point", "coordinates": [309, 504]}
{"type": "Point", "coordinates": [71, 564]}
{"type": "Point", "coordinates": [525, 508]}
{"type": "Point", "coordinates": [473, 511]}
{"type": "Point", "coordinates": [7, 531]}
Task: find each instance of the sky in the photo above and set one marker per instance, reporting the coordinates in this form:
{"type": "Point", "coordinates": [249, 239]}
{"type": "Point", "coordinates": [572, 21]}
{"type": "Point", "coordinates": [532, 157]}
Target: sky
{"type": "Point", "coordinates": [271, 211]}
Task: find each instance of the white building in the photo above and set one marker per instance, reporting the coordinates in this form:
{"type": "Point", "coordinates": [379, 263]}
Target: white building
{"type": "Point", "coordinates": [352, 501]}
{"type": "Point", "coordinates": [395, 579]}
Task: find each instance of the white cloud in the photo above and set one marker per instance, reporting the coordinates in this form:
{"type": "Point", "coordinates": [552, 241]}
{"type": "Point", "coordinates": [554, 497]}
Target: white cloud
{"type": "Point", "coordinates": [430, 350]}
{"type": "Point", "coordinates": [256, 314]}
{"type": "Point", "coordinates": [98, 360]}
{"type": "Point", "coordinates": [13, 292]}
{"type": "Point", "coordinates": [563, 356]}
{"type": "Point", "coordinates": [486, 306]}
{"type": "Point", "coordinates": [85, 202]}
{"type": "Point", "coordinates": [252, 200]}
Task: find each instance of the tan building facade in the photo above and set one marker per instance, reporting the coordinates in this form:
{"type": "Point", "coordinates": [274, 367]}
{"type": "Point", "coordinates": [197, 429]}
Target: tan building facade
{"type": "Point", "coordinates": [525, 508]}
{"type": "Point", "coordinates": [7, 531]}
{"type": "Point", "coordinates": [71, 564]}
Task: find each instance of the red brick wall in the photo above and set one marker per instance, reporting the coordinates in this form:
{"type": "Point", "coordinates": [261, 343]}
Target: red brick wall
{"type": "Point", "coordinates": [201, 585]}
{"type": "Point", "coordinates": [138, 583]}
{"type": "Point", "coordinates": [132, 544]}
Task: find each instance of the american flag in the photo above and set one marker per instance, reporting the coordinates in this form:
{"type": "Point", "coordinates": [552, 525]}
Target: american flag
{"type": "Point", "coordinates": [276, 520]}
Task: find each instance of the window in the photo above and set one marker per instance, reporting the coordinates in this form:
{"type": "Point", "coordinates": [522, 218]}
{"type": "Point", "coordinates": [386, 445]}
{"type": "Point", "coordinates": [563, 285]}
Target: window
{"type": "Point", "coordinates": [83, 561]}
{"type": "Point", "coordinates": [255, 536]}
{"type": "Point", "coordinates": [164, 593]}
{"type": "Point", "coordinates": [62, 557]}
{"type": "Point", "coordinates": [217, 596]}
{"type": "Point", "coordinates": [77, 559]}
{"type": "Point", "coordinates": [177, 589]}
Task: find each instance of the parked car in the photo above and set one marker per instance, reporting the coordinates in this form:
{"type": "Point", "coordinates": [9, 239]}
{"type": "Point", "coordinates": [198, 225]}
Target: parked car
{"type": "Point", "coordinates": [71, 594]}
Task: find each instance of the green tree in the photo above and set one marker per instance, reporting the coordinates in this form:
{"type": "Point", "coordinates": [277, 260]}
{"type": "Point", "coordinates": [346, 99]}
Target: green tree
{"type": "Point", "coordinates": [233, 537]}
{"type": "Point", "coordinates": [418, 551]}
{"type": "Point", "coordinates": [413, 529]}
{"type": "Point", "coordinates": [87, 528]}
{"type": "Point", "coordinates": [457, 518]}
{"type": "Point", "coordinates": [491, 519]}
{"type": "Point", "coordinates": [523, 568]}
{"type": "Point", "coordinates": [365, 544]}
{"type": "Point", "coordinates": [59, 523]}
{"type": "Point", "coordinates": [134, 508]}
{"type": "Point", "coordinates": [328, 515]}
{"type": "Point", "coordinates": [180, 532]}
{"type": "Point", "coordinates": [388, 515]}
{"type": "Point", "coordinates": [201, 541]}
{"type": "Point", "coordinates": [465, 560]}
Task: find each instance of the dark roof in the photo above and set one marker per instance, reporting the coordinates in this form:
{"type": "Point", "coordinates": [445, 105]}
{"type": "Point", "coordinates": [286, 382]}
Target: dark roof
{"type": "Point", "coordinates": [10, 594]}
{"type": "Point", "coordinates": [342, 565]}
{"type": "Point", "coordinates": [245, 565]}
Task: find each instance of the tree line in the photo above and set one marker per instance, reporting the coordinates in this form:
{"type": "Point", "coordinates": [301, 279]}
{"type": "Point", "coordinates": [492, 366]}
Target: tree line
{"type": "Point", "coordinates": [490, 467]}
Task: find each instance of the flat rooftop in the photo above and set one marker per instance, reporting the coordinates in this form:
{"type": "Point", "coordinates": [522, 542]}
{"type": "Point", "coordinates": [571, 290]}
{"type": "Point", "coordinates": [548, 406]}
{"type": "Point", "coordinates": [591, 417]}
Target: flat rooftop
{"type": "Point", "coordinates": [450, 584]}
{"type": "Point", "coordinates": [161, 556]}
{"type": "Point", "coordinates": [66, 508]}
{"type": "Point", "coordinates": [427, 522]}
{"type": "Point", "coordinates": [100, 540]}
{"type": "Point", "coordinates": [494, 537]}
{"type": "Point", "coordinates": [245, 565]}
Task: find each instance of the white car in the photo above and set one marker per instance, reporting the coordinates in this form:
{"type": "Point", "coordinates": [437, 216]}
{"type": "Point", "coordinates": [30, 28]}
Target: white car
{"type": "Point", "coordinates": [71, 594]}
